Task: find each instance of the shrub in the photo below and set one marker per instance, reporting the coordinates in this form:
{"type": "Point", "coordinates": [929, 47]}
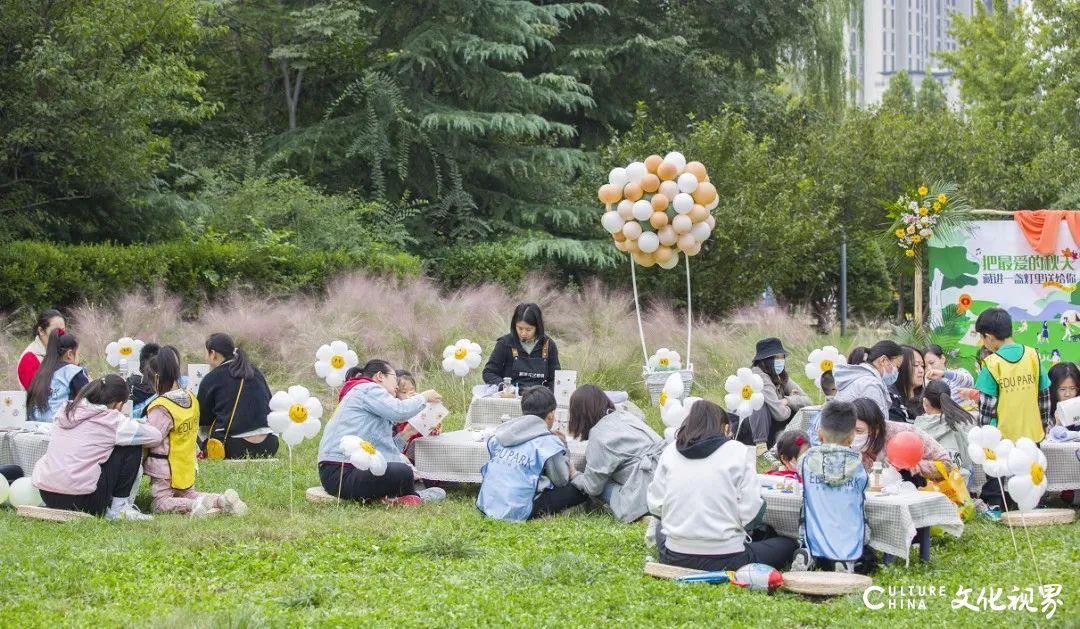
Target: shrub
{"type": "Point", "coordinates": [500, 263]}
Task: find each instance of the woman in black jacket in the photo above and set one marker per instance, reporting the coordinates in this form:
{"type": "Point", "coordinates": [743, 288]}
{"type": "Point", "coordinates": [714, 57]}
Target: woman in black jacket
{"type": "Point", "coordinates": [244, 431]}
{"type": "Point", "coordinates": [527, 355]}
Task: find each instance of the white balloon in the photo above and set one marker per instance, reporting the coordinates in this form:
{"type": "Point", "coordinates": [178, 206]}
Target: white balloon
{"type": "Point", "coordinates": [635, 171]}
{"type": "Point", "coordinates": [378, 465]}
{"type": "Point", "coordinates": [712, 204]}
{"type": "Point", "coordinates": [667, 236]}
{"type": "Point", "coordinates": [648, 242]}
{"type": "Point", "coordinates": [23, 492]}
{"type": "Point", "coordinates": [676, 158]}
{"type": "Point", "coordinates": [700, 232]}
{"type": "Point", "coordinates": [670, 264]}
{"type": "Point", "coordinates": [617, 177]}
{"type": "Point", "coordinates": [625, 207]}
{"type": "Point", "coordinates": [683, 202]}
{"type": "Point", "coordinates": [612, 222]}
{"type": "Point", "coordinates": [642, 210]}
{"type": "Point", "coordinates": [687, 182]}
{"type": "Point", "coordinates": [5, 489]}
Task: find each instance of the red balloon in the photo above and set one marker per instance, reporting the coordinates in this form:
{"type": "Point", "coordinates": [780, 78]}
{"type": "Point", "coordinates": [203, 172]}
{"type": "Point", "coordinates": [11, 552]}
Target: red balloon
{"type": "Point", "coordinates": [905, 450]}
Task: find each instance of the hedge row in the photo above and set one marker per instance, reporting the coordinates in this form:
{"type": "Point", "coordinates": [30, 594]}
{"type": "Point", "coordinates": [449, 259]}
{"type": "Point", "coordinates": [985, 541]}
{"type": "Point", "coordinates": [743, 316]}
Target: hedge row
{"type": "Point", "coordinates": [36, 275]}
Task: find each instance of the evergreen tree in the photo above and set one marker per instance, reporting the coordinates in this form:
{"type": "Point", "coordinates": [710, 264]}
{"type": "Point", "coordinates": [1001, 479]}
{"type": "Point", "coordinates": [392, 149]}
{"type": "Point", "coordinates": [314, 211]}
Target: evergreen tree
{"type": "Point", "coordinates": [931, 99]}
{"type": "Point", "coordinates": [899, 97]}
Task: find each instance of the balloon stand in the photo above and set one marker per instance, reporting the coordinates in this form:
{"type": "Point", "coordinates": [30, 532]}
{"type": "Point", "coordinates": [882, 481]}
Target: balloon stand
{"type": "Point", "coordinates": [655, 380]}
{"type": "Point", "coordinates": [290, 483]}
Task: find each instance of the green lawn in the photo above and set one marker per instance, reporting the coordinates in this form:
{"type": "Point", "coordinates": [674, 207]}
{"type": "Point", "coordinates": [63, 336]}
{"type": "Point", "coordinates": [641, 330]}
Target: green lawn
{"type": "Point", "coordinates": [440, 565]}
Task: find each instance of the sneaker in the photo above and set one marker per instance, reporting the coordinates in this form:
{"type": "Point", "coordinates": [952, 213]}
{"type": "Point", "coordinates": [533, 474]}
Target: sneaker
{"type": "Point", "coordinates": [847, 567]}
{"type": "Point", "coordinates": [127, 512]}
{"type": "Point", "coordinates": [432, 494]}
{"type": "Point", "coordinates": [230, 503]}
{"type": "Point", "coordinates": [403, 501]}
{"type": "Point", "coordinates": [803, 561]}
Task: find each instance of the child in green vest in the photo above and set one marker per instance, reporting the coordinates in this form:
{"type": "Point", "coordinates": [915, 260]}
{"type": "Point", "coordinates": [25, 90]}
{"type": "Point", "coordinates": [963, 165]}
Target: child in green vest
{"type": "Point", "coordinates": [1014, 389]}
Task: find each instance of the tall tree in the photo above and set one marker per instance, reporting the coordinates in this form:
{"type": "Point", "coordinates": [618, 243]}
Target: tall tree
{"type": "Point", "coordinates": [899, 97]}
{"type": "Point", "coordinates": [931, 98]}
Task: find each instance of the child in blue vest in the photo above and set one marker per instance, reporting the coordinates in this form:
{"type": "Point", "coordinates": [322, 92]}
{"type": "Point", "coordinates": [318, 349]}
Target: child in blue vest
{"type": "Point", "coordinates": [529, 472]}
{"type": "Point", "coordinates": [58, 379]}
{"type": "Point", "coordinates": [834, 489]}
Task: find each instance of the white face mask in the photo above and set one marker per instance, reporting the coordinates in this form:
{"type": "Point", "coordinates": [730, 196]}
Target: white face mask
{"type": "Point", "coordinates": [860, 441]}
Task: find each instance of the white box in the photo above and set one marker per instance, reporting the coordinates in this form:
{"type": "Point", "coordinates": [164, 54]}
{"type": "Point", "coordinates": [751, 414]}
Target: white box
{"type": "Point", "coordinates": [565, 385]}
{"type": "Point", "coordinates": [195, 373]}
{"type": "Point", "coordinates": [12, 408]}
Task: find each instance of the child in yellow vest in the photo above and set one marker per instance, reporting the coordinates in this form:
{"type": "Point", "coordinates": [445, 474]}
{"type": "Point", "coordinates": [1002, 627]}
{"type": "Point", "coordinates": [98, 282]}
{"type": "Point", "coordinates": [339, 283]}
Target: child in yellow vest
{"type": "Point", "coordinates": [1014, 389]}
{"type": "Point", "coordinates": [171, 463]}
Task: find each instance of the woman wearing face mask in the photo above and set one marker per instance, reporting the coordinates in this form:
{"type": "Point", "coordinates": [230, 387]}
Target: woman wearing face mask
{"type": "Point", "coordinates": [871, 378]}
{"type": "Point", "coordinates": [527, 355]}
{"type": "Point", "coordinates": [783, 398]}
{"type": "Point", "coordinates": [960, 380]}
{"type": "Point", "coordinates": [873, 434]}
{"type": "Point", "coordinates": [906, 392]}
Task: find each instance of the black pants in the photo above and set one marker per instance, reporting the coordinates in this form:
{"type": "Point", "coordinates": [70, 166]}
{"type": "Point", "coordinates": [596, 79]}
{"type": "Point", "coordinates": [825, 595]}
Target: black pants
{"type": "Point", "coordinates": [118, 474]}
{"type": "Point", "coordinates": [776, 552]}
{"type": "Point", "coordinates": [355, 484]}
{"type": "Point", "coordinates": [11, 472]}
{"type": "Point", "coordinates": [555, 500]}
{"type": "Point", "coordinates": [240, 448]}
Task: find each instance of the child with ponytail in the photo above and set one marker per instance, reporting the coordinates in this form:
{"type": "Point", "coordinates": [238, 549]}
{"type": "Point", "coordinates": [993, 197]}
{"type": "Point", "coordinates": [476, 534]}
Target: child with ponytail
{"type": "Point", "coordinates": [946, 422]}
{"type": "Point", "coordinates": [58, 379]}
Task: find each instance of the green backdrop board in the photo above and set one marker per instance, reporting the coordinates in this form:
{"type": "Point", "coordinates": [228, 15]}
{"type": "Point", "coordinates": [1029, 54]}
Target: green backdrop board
{"type": "Point", "coordinates": [991, 263]}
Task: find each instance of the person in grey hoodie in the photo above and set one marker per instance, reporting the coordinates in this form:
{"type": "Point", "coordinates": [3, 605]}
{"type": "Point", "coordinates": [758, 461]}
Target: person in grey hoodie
{"type": "Point", "coordinates": [871, 379]}
{"type": "Point", "coordinates": [621, 456]}
{"type": "Point", "coordinates": [529, 472]}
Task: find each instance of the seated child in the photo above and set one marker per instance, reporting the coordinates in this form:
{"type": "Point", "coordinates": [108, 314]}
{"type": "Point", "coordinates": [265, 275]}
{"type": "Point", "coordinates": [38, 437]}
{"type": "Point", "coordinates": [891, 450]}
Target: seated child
{"type": "Point", "coordinates": [171, 461]}
{"type": "Point", "coordinates": [828, 385]}
{"type": "Point", "coordinates": [790, 447]}
{"type": "Point", "coordinates": [352, 378]}
{"type": "Point", "coordinates": [834, 486]}
{"type": "Point", "coordinates": [705, 492]}
{"type": "Point", "coordinates": [946, 422]}
{"type": "Point", "coordinates": [57, 380]}
{"type": "Point", "coordinates": [528, 475]}
{"type": "Point", "coordinates": [404, 433]}
{"type": "Point", "coordinates": [142, 389]}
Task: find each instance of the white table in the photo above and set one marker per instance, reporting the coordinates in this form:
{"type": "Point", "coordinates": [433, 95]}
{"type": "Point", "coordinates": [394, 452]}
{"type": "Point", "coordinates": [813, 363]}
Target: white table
{"type": "Point", "coordinates": [23, 446]}
{"type": "Point", "coordinates": [893, 520]}
{"type": "Point", "coordinates": [488, 412]}
{"type": "Point", "coordinates": [458, 456]}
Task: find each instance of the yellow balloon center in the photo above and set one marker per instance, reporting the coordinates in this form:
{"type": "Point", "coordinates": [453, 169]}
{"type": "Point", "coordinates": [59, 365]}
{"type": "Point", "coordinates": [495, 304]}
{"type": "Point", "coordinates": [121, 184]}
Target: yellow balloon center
{"type": "Point", "coordinates": [747, 392]}
{"type": "Point", "coordinates": [826, 365]}
{"type": "Point", "coordinates": [461, 353]}
{"type": "Point", "coordinates": [127, 350]}
{"type": "Point", "coordinates": [1037, 474]}
{"type": "Point", "coordinates": [664, 362]}
{"type": "Point", "coordinates": [337, 361]}
{"type": "Point", "coordinates": [367, 447]}
{"type": "Point", "coordinates": [298, 413]}
{"type": "Point", "coordinates": [990, 456]}
{"type": "Point", "coordinates": [663, 398]}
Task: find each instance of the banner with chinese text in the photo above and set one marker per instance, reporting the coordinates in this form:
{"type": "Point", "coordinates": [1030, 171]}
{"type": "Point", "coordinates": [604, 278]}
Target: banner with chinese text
{"type": "Point", "coordinates": [991, 264]}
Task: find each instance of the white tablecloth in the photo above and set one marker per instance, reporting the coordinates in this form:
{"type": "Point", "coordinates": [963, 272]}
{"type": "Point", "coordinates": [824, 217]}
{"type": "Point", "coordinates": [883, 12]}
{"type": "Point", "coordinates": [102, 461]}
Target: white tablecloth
{"type": "Point", "coordinates": [488, 412]}
{"type": "Point", "coordinates": [892, 519]}
{"type": "Point", "coordinates": [22, 447]}
{"type": "Point", "coordinates": [458, 456]}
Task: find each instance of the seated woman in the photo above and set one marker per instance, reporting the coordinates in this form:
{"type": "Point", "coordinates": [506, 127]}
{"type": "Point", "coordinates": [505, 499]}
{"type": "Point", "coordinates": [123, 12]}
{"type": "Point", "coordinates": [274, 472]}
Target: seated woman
{"type": "Point", "coordinates": [871, 378]}
{"type": "Point", "coordinates": [906, 393]}
{"type": "Point", "coordinates": [873, 433]}
{"type": "Point", "coordinates": [620, 457]}
{"type": "Point", "coordinates": [706, 493]}
{"type": "Point", "coordinates": [370, 412]}
{"type": "Point", "coordinates": [783, 397]}
{"type": "Point", "coordinates": [94, 454]}
{"type": "Point", "coordinates": [937, 368]}
{"type": "Point", "coordinates": [234, 401]}
{"type": "Point", "coordinates": [58, 379]}
{"type": "Point", "coordinates": [528, 356]}
{"type": "Point", "coordinates": [34, 353]}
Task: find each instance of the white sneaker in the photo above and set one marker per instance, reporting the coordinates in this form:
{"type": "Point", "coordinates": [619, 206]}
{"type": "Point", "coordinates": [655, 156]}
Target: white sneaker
{"type": "Point", "coordinates": [432, 494]}
{"type": "Point", "coordinates": [230, 503]}
{"type": "Point", "coordinates": [128, 512]}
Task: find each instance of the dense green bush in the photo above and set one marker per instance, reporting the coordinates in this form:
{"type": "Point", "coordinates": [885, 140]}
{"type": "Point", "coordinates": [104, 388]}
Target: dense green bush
{"type": "Point", "coordinates": [38, 275]}
{"type": "Point", "coordinates": [486, 262]}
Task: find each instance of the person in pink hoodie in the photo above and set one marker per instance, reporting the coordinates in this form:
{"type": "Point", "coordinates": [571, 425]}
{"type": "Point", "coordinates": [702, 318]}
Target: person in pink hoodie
{"type": "Point", "coordinates": [872, 436]}
{"type": "Point", "coordinates": [94, 454]}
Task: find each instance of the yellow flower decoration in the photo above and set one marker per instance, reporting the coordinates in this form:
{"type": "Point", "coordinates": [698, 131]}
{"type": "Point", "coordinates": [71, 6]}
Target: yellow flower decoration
{"type": "Point", "coordinates": [909, 253]}
{"type": "Point", "coordinates": [923, 211]}
{"type": "Point", "coordinates": [923, 191]}
{"type": "Point", "coordinates": [899, 233]}
{"type": "Point", "coordinates": [941, 198]}
{"type": "Point", "coordinates": [937, 206]}
{"type": "Point", "coordinates": [916, 239]}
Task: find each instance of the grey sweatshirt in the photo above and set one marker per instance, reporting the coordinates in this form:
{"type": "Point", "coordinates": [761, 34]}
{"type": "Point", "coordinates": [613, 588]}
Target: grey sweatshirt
{"type": "Point", "coordinates": [862, 380]}
{"type": "Point", "coordinates": [528, 427]}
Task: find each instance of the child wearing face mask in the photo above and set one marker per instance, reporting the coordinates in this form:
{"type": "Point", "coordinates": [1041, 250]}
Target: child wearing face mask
{"type": "Point", "coordinates": [790, 447]}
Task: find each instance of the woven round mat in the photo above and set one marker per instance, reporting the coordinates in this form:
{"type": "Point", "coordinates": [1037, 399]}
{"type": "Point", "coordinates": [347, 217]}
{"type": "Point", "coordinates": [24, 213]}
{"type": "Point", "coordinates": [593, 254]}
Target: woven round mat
{"type": "Point", "coordinates": [1039, 517]}
{"type": "Point", "coordinates": [825, 583]}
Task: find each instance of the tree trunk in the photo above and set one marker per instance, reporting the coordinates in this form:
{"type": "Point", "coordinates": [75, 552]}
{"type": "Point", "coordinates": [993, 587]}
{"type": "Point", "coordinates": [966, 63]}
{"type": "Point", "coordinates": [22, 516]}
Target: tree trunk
{"type": "Point", "coordinates": [292, 92]}
{"type": "Point", "coordinates": [900, 297]}
{"type": "Point", "coordinates": [918, 310]}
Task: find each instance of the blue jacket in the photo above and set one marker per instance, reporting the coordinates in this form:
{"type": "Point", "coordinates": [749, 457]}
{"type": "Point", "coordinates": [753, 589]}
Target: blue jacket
{"type": "Point", "coordinates": [519, 453]}
{"type": "Point", "coordinates": [59, 392]}
{"type": "Point", "coordinates": [834, 489]}
{"type": "Point", "coordinates": [369, 412]}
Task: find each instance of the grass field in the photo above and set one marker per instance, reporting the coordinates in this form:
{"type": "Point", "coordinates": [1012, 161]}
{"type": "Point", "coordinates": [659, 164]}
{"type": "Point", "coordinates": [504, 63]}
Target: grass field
{"type": "Point", "coordinates": [442, 565]}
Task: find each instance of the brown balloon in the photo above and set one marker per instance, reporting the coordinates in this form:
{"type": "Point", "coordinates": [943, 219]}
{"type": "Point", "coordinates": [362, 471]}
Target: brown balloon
{"type": "Point", "coordinates": [686, 242]}
{"type": "Point", "coordinates": [644, 259]}
{"type": "Point", "coordinates": [653, 162]}
{"type": "Point", "coordinates": [632, 229]}
{"type": "Point", "coordinates": [694, 250]}
{"type": "Point", "coordinates": [659, 202]}
{"type": "Point", "coordinates": [619, 236]}
{"type": "Point", "coordinates": [667, 171]}
{"type": "Point", "coordinates": [681, 224]}
{"type": "Point", "coordinates": [705, 193]}
{"type": "Point", "coordinates": [669, 189]}
{"type": "Point", "coordinates": [632, 191]}
{"type": "Point", "coordinates": [697, 169]}
{"type": "Point", "coordinates": [650, 183]}
{"type": "Point", "coordinates": [667, 236]}
{"type": "Point", "coordinates": [698, 213]}
{"type": "Point", "coordinates": [663, 254]}
{"type": "Point", "coordinates": [626, 210]}
{"type": "Point", "coordinates": [658, 220]}
{"type": "Point", "coordinates": [631, 246]}
{"type": "Point", "coordinates": [621, 245]}
{"type": "Point", "coordinates": [609, 193]}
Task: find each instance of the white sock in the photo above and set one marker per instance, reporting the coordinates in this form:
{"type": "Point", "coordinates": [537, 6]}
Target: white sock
{"type": "Point", "coordinates": [118, 503]}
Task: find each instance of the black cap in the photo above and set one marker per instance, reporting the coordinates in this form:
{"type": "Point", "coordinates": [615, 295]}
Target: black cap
{"type": "Point", "coordinates": [769, 347]}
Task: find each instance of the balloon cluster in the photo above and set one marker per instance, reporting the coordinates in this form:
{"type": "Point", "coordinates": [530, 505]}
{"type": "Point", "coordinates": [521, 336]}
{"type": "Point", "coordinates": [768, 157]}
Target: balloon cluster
{"type": "Point", "coordinates": [659, 207]}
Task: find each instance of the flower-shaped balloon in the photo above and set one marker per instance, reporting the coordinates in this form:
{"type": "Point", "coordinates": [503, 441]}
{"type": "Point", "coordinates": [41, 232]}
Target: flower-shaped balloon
{"type": "Point", "coordinates": [461, 357]}
{"type": "Point", "coordinates": [126, 349]}
{"type": "Point", "coordinates": [744, 394]}
{"type": "Point", "coordinates": [673, 390]}
{"type": "Point", "coordinates": [363, 455]}
{"type": "Point", "coordinates": [1027, 464]}
{"type": "Point", "coordinates": [333, 361]}
{"type": "Point", "coordinates": [988, 449]}
{"type": "Point", "coordinates": [295, 414]}
{"type": "Point", "coordinates": [673, 414]}
{"type": "Point", "coordinates": [665, 360]}
{"type": "Point", "coordinates": [823, 360]}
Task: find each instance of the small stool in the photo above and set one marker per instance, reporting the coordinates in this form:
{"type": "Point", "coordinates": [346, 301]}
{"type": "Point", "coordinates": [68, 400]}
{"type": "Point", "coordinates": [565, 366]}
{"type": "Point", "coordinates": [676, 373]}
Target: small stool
{"type": "Point", "coordinates": [51, 515]}
{"type": "Point", "coordinates": [318, 495]}
{"type": "Point", "coordinates": [825, 583]}
{"type": "Point", "coordinates": [1039, 517]}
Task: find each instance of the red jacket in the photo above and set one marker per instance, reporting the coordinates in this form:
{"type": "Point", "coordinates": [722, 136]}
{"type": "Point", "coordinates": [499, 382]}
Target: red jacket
{"type": "Point", "coordinates": [29, 362]}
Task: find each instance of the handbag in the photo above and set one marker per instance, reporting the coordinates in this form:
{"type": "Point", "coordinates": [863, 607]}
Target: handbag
{"type": "Point", "coordinates": [215, 448]}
